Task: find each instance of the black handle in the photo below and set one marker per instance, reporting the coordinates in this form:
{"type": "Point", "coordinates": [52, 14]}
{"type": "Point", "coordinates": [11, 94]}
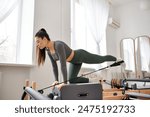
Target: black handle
{"type": "Point", "coordinates": [82, 94]}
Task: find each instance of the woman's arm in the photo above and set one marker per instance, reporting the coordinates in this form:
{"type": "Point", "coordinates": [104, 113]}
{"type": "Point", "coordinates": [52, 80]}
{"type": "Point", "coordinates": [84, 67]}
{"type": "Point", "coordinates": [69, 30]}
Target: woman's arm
{"type": "Point", "coordinates": [62, 58]}
{"type": "Point", "coordinates": [55, 68]}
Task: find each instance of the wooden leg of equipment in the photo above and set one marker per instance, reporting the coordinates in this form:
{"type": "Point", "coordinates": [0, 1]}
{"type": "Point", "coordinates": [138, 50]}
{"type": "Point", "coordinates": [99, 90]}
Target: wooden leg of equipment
{"type": "Point", "coordinates": [27, 84]}
{"type": "Point", "coordinates": [33, 85]}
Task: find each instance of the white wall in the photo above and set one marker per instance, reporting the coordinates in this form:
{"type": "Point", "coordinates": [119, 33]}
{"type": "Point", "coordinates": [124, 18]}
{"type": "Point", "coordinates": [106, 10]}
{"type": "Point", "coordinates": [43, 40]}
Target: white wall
{"type": "Point", "coordinates": [12, 81]}
{"type": "Point", "coordinates": [134, 22]}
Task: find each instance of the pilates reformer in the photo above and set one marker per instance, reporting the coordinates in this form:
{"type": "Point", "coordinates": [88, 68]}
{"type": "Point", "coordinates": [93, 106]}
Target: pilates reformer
{"type": "Point", "coordinates": [87, 91]}
{"type": "Point", "coordinates": [83, 91]}
{"type": "Point", "coordinates": [130, 92]}
{"type": "Point", "coordinates": [132, 95]}
{"type": "Point", "coordinates": [73, 91]}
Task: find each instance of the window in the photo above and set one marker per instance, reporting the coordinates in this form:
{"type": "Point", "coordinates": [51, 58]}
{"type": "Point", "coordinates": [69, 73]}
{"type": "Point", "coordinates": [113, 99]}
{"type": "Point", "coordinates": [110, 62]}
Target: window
{"type": "Point", "coordinates": [16, 33]}
{"type": "Point", "coordinates": [88, 26]}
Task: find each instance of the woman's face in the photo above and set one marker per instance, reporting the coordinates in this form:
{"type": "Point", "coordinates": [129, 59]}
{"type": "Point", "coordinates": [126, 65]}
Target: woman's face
{"type": "Point", "coordinates": [40, 43]}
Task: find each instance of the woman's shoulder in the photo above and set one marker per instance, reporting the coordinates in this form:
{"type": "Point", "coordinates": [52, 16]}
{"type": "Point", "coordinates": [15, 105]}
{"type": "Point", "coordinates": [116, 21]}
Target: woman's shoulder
{"type": "Point", "coordinates": [59, 43]}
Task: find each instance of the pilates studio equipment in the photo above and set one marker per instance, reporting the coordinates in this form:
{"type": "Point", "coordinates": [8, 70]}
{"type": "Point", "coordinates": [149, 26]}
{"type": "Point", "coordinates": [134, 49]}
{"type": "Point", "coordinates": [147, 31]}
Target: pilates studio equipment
{"type": "Point", "coordinates": [89, 91]}
{"type": "Point", "coordinates": [136, 95]}
{"type": "Point", "coordinates": [35, 95]}
{"type": "Point", "coordinates": [122, 90]}
{"type": "Point", "coordinates": [84, 91]}
{"type": "Point", "coordinates": [135, 53]}
{"type": "Point", "coordinates": [117, 63]}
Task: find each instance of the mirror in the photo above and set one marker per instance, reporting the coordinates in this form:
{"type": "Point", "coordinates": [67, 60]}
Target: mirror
{"type": "Point", "coordinates": [142, 44]}
{"type": "Point", "coordinates": [136, 54]}
{"type": "Point", "coordinates": [127, 47]}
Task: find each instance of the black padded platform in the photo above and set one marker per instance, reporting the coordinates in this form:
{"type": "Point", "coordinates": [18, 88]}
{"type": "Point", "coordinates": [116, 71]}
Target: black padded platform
{"type": "Point", "coordinates": [83, 91]}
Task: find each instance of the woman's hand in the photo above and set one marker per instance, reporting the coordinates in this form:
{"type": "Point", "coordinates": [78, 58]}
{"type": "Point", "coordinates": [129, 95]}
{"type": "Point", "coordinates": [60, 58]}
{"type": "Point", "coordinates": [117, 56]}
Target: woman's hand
{"type": "Point", "coordinates": [60, 85]}
{"type": "Point", "coordinates": [54, 83]}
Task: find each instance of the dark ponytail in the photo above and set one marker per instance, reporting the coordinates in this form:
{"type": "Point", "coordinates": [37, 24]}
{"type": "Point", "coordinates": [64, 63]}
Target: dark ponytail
{"type": "Point", "coordinates": [42, 33]}
{"type": "Point", "coordinates": [40, 53]}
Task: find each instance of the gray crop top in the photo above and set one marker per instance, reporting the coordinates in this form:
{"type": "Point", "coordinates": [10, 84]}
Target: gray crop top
{"type": "Point", "coordinates": [62, 52]}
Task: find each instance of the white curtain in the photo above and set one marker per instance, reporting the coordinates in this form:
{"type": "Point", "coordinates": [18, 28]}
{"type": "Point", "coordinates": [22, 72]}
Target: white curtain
{"type": "Point", "coordinates": [96, 16]}
{"type": "Point", "coordinates": [6, 7]}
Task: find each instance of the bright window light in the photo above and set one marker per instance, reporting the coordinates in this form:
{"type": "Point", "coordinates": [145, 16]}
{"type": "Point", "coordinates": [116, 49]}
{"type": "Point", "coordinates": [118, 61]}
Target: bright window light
{"type": "Point", "coordinates": [16, 34]}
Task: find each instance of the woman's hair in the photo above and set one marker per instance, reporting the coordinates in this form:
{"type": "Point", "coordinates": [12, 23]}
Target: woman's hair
{"type": "Point", "coordinates": [40, 53]}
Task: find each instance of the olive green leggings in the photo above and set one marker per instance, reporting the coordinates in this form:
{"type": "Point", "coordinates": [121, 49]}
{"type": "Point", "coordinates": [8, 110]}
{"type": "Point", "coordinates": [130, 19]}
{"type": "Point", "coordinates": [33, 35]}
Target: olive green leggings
{"type": "Point", "coordinates": [82, 56]}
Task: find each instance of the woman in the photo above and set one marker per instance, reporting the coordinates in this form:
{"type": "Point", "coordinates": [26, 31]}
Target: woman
{"type": "Point", "coordinates": [58, 50]}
